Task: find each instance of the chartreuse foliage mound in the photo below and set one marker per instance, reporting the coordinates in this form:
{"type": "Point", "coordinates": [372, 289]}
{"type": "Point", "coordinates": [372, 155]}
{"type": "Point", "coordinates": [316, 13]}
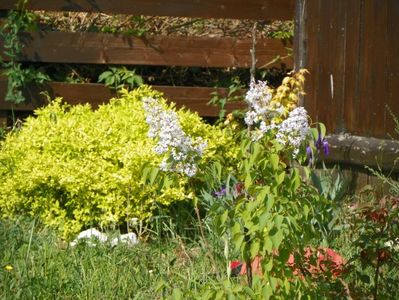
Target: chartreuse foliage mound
{"type": "Point", "coordinates": [74, 167]}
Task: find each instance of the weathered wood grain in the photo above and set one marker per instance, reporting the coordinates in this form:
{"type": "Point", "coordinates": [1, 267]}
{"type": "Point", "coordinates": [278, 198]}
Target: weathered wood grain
{"type": "Point", "coordinates": [193, 98]}
{"type": "Point", "coordinates": [352, 66]}
{"type": "Point", "coordinates": [101, 48]}
{"type": "Point", "coordinates": [234, 9]}
{"type": "Point", "coordinates": [361, 151]}
{"type": "Point", "coordinates": [392, 100]}
{"type": "Point", "coordinates": [351, 52]}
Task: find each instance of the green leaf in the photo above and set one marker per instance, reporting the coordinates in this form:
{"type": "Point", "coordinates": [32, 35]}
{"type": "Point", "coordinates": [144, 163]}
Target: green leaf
{"type": "Point", "coordinates": [278, 220]}
{"type": "Point", "coordinates": [254, 155]}
{"type": "Point", "coordinates": [315, 133]}
{"type": "Point", "coordinates": [145, 173]}
{"type": "Point", "coordinates": [238, 240]}
{"type": "Point", "coordinates": [274, 160]}
{"type": "Point", "coordinates": [251, 206]}
{"type": "Point", "coordinates": [104, 76]}
{"type": "Point", "coordinates": [249, 292]}
{"type": "Point", "coordinates": [267, 292]}
{"type": "Point", "coordinates": [248, 181]}
{"type": "Point", "coordinates": [322, 129]}
{"type": "Point", "coordinates": [218, 167]}
{"type": "Point", "coordinates": [254, 249]}
{"type": "Point", "coordinates": [280, 177]}
{"type": "Point", "coordinates": [263, 220]}
{"type": "Point", "coordinates": [167, 182]}
{"type": "Point", "coordinates": [277, 238]}
{"type": "Point", "coordinates": [236, 229]}
{"type": "Point", "coordinates": [269, 202]}
{"type": "Point", "coordinates": [223, 217]}
{"type": "Point", "coordinates": [253, 228]}
{"type": "Point", "coordinates": [139, 80]}
{"type": "Point", "coordinates": [273, 283]}
{"type": "Point", "coordinates": [306, 210]}
{"type": "Point", "coordinates": [268, 266]}
{"type": "Point", "coordinates": [263, 193]}
{"type": "Point", "coordinates": [295, 179]}
{"type": "Point", "coordinates": [153, 175]}
{"type": "Point", "coordinates": [268, 244]}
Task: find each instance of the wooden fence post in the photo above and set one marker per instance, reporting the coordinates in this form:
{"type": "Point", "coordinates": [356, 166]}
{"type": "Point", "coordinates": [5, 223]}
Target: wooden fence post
{"type": "Point", "coordinates": [300, 39]}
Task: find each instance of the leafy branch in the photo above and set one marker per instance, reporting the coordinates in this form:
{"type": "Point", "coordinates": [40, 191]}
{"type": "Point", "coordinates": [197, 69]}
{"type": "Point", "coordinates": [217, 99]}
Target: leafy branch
{"type": "Point", "coordinates": [117, 78]}
{"type": "Point", "coordinates": [18, 20]}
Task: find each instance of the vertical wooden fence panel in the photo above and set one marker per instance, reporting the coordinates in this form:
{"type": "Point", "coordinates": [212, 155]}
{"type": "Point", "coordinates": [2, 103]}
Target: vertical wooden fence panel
{"type": "Point", "coordinates": [352, 65]}
{"type": "Point", "coordinates": [374, 79]}
{"type": "Point", "coordinates": [352, 55]}
{"type": "Point", "coordinates": [393, 63]}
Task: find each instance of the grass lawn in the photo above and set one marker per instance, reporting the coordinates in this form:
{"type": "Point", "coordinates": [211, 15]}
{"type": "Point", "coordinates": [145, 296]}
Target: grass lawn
{"type": "Point", "coordinates": [37, 265]}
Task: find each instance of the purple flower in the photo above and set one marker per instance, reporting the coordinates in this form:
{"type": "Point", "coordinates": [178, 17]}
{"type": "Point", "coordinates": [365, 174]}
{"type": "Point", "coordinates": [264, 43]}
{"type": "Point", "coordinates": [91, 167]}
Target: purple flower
{"type": "Point", "coordinates": [326, 148]}
{"type": "Point", "coordinates": [319, 142]}
{"type": "Point", "coordinates": [221, 192]}
{"type": "Point", "coordinates": [322, 144]}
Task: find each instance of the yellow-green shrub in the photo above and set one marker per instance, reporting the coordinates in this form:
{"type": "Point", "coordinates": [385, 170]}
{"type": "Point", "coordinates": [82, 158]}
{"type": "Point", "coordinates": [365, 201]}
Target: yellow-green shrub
{"type": "Point", "coordinates": [74, 167]}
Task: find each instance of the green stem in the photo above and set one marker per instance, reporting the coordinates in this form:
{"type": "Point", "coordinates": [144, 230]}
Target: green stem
{"type": "Point", "coordinates": [376, 278]}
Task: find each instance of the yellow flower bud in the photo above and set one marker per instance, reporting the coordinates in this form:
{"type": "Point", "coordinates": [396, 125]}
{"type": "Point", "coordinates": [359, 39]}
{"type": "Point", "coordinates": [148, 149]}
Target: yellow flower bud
{"type": "Point", "coordinates": [8, 268]}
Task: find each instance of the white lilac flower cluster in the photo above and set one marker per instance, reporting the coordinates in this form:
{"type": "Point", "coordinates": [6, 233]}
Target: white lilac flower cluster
{"type": "Point", "coordinates": [258, 97]}
{"type": "Point", "coordinates": [267, 115]}
{"type": "Point", "coordinates": [164, 125]}
{"type": "Point", "coordinates": [294, 130]}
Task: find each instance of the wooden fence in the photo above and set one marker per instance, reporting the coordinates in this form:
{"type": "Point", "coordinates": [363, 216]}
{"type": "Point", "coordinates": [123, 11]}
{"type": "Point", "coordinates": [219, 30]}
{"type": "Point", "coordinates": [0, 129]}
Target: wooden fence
{"type": "Point", "coordinates": [351, 49]}
{"type": "Point", "coordinates": [233, 9]}
{"type": "Point", "coordinates": [102, 48]}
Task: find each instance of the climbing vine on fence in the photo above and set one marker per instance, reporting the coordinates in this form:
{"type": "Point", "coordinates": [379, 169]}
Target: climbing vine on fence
{"type": "Point", "coordinates": [18, 21]}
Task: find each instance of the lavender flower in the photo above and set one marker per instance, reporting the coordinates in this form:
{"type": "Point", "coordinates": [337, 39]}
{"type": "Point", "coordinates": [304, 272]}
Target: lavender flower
{"type": "Point", "coordinates": [321, 143]}
{"type": "Point", "coordinates": [326, 148]}
{"type": "Point", "coordinates": [221, 192]}
{"type": "Point", "coordinates": [183, 152]}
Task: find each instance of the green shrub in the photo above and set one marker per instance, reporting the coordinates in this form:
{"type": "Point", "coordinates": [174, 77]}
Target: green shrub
{"type": "Point", "coordinates": [75, 167]}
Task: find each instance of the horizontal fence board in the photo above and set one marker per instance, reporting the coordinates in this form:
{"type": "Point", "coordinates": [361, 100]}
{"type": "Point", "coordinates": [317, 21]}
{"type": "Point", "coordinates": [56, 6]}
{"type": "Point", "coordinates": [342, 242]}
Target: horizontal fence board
{"type": "Point", "coordinates": [194, 98]}
{"type": "Point", "coordinates": [234, 9]}
{"type": "Point", "coordinates": [360, 151]}
{"type": "Point", "coordinates": [103, 48]}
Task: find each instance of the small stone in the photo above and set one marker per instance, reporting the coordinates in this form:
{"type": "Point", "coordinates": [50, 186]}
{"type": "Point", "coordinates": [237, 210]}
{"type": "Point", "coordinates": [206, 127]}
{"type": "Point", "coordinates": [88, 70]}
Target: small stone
{"type": "Point", "coordinates": [90, 235]}
{"type": "Point", "coordinates": [129, 239]}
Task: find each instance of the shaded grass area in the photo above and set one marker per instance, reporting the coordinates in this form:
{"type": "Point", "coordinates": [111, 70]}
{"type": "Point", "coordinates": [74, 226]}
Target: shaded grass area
{"type": "Point", "coordinates": [37, 265]}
